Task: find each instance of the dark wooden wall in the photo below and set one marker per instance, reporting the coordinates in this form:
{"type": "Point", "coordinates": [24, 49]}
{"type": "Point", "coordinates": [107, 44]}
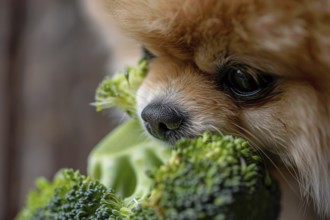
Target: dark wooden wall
{"type": "Point", "coordinates": [51, 61]}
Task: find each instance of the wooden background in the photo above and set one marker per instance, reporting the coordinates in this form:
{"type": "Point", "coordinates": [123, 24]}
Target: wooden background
{"type": "Point", "coordinates": [51, 60]}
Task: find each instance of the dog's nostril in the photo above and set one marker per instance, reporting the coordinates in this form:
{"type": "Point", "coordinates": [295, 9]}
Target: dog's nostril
{"type": "Point", "coordinates": [170, 125]}
{"type": "Point", "coordinates": [163, 126]}
{"type": "Point", "coordinates": [161, 119]}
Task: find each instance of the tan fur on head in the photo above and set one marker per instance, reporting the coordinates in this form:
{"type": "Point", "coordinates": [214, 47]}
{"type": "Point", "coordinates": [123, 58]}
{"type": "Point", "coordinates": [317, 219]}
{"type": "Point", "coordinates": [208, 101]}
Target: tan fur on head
{"type": "Point", "coordinates": [291, 39]}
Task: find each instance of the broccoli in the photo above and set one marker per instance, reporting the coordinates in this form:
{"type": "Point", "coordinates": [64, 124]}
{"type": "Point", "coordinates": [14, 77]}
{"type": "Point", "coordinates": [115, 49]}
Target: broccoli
{"type": "Point", "coordinates": [212, 177]}
{"type": "Point", "coordinates": [208, 177]}
{"type": "Point", "coordinates": [73, 196]}
{"type": "Point", "coordinates": [119, 90]}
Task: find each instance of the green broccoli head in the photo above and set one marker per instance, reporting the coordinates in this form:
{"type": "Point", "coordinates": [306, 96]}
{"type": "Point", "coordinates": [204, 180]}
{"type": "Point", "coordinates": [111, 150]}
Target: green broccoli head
{"type": "Point", "coordinates": [209, 177]}
{"type": "Point", "coordinates": [73, 196]}
{"type": "Point", "coordinates": [212, 177]}
{"type": "Point", "coordinates": [119, 90]}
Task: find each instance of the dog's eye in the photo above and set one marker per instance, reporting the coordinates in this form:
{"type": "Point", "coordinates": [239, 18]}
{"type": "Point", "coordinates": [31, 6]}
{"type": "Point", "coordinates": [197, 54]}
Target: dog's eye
{"type": "Point", "coordinates": [244, 84]}
{"type": "Point", "coordinates": [146, 54]}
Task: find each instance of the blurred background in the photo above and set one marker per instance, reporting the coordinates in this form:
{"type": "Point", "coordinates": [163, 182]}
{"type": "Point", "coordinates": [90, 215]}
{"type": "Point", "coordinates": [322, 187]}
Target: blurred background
{"type": "Point", "coordinates": [51, 61]}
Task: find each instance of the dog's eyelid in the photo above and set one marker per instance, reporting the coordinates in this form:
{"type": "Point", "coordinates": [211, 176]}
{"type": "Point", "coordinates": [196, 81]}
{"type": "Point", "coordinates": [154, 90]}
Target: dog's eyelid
{"type": "Point", "coordinates": [245, 68]}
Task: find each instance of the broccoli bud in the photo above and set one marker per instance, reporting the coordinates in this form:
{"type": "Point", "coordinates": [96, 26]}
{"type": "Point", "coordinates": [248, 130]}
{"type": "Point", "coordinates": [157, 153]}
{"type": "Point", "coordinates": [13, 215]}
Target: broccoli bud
{"type": "Point", "coordinates": [213, 177]}
{"type": "Point", "coordinates": [119, 90]}
{"type": "Point", "coordinates": [73, 196]}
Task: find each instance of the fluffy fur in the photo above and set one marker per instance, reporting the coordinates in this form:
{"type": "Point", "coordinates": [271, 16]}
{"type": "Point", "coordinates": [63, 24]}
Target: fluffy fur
{"type": "Point", "coordinates": [290, 39]}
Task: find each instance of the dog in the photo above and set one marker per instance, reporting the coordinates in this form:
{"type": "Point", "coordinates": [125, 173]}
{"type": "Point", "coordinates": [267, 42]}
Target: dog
{"type": "Point", "coordinates": [250, 68]}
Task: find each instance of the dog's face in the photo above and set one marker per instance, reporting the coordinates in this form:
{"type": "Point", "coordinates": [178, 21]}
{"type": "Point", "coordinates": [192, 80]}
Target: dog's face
{"type": "Point", "coordinates": [256, 69]}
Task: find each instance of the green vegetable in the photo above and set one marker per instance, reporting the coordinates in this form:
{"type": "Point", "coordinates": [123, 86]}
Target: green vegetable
{"type": "Point", "coordinates": [212, 177]}
{"type": "Point", "coordinates": [73, 196]}
{"type": "Point", "coordinates": [209, 177]}
{"type": "Point", "coordinates": [121, 159]}
{"type": "Point", "coordinates": [119, 90]}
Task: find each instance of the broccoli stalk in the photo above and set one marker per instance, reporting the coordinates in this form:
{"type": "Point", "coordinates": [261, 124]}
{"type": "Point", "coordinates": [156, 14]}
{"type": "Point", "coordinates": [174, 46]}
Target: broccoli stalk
{"type": "Point", "coordinates": [121, 159]}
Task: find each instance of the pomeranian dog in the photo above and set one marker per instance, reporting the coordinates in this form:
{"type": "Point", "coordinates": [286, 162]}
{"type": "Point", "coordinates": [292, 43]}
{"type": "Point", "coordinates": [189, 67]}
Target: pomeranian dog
{"type": "Point", "coordinates": [252, 68]}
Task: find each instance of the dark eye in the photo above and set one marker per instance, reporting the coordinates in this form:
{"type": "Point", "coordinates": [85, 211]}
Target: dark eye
{"type": "Point", "coordinates": [146, 54]}
{"type": "Point", "coordinates": [245, 84]}
{"type": "Point", "coordinates": [242, 83]}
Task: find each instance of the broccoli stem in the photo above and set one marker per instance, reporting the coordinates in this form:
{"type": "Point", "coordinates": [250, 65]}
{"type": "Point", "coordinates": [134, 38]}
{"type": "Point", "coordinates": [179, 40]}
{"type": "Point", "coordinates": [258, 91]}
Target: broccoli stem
{"type": "Point", "coordinates": [121, 159]}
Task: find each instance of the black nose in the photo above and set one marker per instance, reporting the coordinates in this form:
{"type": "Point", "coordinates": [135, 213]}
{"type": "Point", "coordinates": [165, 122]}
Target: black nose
{"type": "Point", "coordinates": [161, 120]}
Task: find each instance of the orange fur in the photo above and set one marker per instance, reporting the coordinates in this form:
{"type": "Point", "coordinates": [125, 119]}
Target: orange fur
{"type": "Point", "coordinates": [290, 39]}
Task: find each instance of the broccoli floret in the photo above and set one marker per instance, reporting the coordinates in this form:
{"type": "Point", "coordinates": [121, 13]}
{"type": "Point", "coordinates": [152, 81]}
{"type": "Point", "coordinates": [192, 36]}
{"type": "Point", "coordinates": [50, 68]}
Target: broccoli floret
{"type": "Point", "coordinates": [119, 90]}
{"type": "Point", "coordinates": [209, 177]}
{"type": "Point", "coordinates": [73, 196]}
{"type": "Point", "coordinates": [212, 177]}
